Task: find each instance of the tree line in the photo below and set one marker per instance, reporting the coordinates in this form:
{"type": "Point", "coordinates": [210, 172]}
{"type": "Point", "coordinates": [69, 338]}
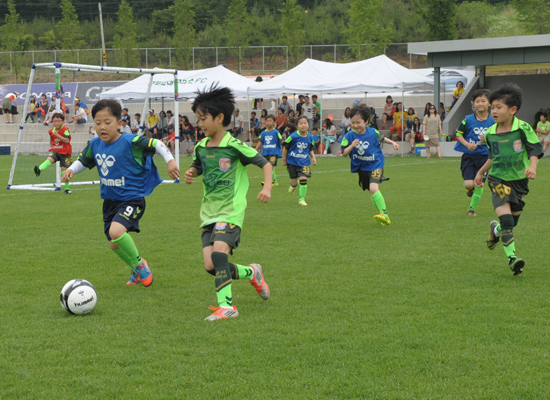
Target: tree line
{"type": "Point", "coordinates": [183, 24]}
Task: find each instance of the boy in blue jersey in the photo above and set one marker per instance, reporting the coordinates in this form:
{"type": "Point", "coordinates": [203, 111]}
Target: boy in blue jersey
{"type": "Point", "coordinates": [127, 174]}
{"type": "Point", "coordinates": [270, 140]}
{"type": "Point", "coordinates": [222, 159]}
{"type": "Point", "coordinates": [470, 134]}
{"type": "Point", "coordinates": [362, 144]}
{"type": "Point", "coordinates": [298, 155]}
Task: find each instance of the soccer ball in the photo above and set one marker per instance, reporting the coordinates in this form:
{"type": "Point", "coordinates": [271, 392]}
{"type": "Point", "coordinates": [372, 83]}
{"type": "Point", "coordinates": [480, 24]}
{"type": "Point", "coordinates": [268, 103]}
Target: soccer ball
{"type": "Point", "coordinates": [78, 296]}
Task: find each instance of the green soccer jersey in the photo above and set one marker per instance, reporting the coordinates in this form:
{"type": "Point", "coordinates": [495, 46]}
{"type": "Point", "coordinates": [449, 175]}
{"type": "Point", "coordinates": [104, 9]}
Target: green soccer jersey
{"type": "Point", "coordinates": [510, 151]}
{"type": "Point", "coordinates": [224, 178]}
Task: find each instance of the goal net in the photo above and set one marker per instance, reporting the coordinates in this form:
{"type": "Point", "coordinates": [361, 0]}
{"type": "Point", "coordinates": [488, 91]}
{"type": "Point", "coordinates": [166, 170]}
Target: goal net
{"type": "Point", "coordinates": [58, 86]}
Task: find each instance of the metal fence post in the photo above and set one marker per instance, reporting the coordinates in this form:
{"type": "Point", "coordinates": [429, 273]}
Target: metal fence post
{"type": "Point", "coordinates": [263, 59]}
{"type": "Point", "coordinates": [334, 53]}
{"type": "Point", "coordinates": [311, 51]}
{"type": "Point", "coordinates": [217, 63]}
{"type": "Point", "coordinates": [54, 55]}
{"type": "Point", "coordinates": [193, 58]}
{"type": "Point", "coordinates": [286, 57]}
{"type": "Point", "coordinates": [170, 56]}
{"type": "Point", "coordinates": [11, 65]}
{"type": "Point", "coordinates": [146, 58]}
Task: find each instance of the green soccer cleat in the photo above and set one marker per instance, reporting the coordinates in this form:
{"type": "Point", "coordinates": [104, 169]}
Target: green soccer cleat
{"type": "Point", "coordinates": [471, 213]}
{"type": "Point", "coordinates": [516, 265]}
{"type": "Point", "coordinates": [383, 219]}
{"type": "Point", "coordinates": [493, 239]}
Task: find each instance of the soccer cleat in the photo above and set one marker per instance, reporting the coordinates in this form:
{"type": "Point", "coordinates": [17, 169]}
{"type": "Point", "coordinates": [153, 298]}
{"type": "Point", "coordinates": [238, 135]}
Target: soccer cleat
{"type": "Point", "coordinates": [516, 265]}
{"type": "Point", "coordinates": [302, 202]}
{"type": "Point", "coordinates": [258, 282]}
{"type": "Point", "coordinates": [222, 313]}
{"type": "Point", "coordinates": [134, 279]}
{"type": "Point", "coordinates": [493, 239]}
{"type": "Point", "coordinates": [145, 274]}
{"type": "Point", "coordinates": [291, 189]}
{"type": "Point", "coordinates": [383, 219]}
{"type": "Point", "coordinates": [472, 213]}
{"type": "Point", "coordinates": [470, 192]}
{"type": "Point", "coordinates": [67, 191]}
{"type": "Point", "coordinates": [275, 184]}
{"type": "Point", "coordinates": [262, 183]}
{"type": "Point", "coordinates": [37, 170]}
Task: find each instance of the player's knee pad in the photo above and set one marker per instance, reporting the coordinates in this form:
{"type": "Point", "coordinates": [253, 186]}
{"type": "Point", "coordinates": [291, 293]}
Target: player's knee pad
{"type": "Point", "coordinates": [303, 181]}
{"type": "Point", "coordinates": [221, 267]}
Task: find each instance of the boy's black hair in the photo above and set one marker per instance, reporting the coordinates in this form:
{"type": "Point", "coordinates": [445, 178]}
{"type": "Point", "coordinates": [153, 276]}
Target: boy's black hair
{"type": "Point", "coordinates": [481, 93]}
{"type": "Point", "coordinates": [273, 117]}
{"type": "Point", "coordinates": [510, 93]}
{"type": "Point", "coordinates": [252, 112]}
{"type": "Point", "coordinates": [110, 105]}
{"type": "Point", "coordinates": [315, 129]}
{"type": "Point", "coordinates": [362, 110]}
{"type": "Point", "coordinates": [137, 115]}
{"type": "Point", "coordinates": [58, 115]}
{"type": "Point", "coordinates": [215, 101]}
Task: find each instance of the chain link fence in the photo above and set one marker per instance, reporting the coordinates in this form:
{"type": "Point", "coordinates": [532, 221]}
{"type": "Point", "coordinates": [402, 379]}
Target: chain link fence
{"type": "Point", "coordinates": [253, 60]}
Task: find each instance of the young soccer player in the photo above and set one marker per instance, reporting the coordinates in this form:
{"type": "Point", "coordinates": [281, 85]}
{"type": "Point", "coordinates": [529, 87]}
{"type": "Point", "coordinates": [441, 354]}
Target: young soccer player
{"type": "Point", "coordinates": [362, 144]}
{"type": "Point", "coordinates": [62, 151]}
{"type": "Point", "coordinates": [270, 140]}
{"type": "Point", "coordinates": [127, 174]}
{"type": "Point", "coordinates": [470, 134]}
{"type": "Point", "coordinates": [221, 160]}
{"type": "Point", "coordinates": [514, 150]}
{"type": "Point", "coordinates": [298, 155]}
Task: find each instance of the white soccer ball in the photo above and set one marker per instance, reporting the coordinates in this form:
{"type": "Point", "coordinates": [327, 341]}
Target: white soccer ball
{"type": "Point", "coordinates": [78, 297]}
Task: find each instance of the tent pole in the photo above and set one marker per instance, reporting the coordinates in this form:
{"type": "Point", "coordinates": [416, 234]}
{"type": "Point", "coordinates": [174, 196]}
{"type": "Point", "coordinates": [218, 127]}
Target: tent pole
{"type": "Point", "coordinates": [403, 121]}
{"type": "Point", "coordinates": [248, 134]}
{"type": "Point", "coordinates": [321, 122]}
{"type": "Point", "coordinates": [144, 113]}
{"type": "Point", "coordinates": [176, 120]}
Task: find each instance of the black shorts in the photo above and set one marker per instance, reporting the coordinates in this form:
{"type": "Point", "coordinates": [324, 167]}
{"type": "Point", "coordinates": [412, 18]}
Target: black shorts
{"type": "Point", "coordinates": [272, 159]}
{"type": "Point", "coordinates": [295, 172]}
{"type": "Point", "coordinates": [471, 164]}
{"type": "Point", "coordinates": [508, 192]}
{"type": "Point", "coordinates": [368, 177]}
{"type": "Point", "coordinates": [65, 160]}
{"type": "Point", "coordinates": [127, 213]}
{"type": "Point", "coordinates": [223, 232]}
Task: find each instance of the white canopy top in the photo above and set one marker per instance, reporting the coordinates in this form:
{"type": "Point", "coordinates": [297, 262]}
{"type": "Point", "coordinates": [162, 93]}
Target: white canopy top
{"type": "Point", "coordinates": [189, 82]}
{"type": "Point", "coordinates": [377, 74]}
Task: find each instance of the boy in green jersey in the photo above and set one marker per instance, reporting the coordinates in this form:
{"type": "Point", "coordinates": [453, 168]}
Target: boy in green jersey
{"type": "Point", "coordinates": [514, 150]}
{"type": "Point", "coordinates": [543, 129]}
{"type": "Point", "coordinates": [221, 160]}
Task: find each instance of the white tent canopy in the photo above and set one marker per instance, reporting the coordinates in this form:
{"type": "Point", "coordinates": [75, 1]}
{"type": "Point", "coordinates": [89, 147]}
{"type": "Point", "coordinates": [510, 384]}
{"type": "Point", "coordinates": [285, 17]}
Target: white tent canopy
{"type": "Point", "coordinates": [377, 74]}
{"type": "Point", "coordinates": [189, 82]}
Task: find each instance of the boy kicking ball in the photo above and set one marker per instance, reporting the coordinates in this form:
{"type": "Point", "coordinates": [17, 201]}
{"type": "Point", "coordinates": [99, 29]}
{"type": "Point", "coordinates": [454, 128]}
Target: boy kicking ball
{"type": "Point", "coordinates": [221, 160]}
{"type": "Point", "coordinates": [514, 150]}
{"type": "Point", "coordinates": [127, 175]}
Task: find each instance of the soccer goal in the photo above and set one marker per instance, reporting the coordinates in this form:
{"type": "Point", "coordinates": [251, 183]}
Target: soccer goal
{"type": "Point", "coordinates": [88, 83]}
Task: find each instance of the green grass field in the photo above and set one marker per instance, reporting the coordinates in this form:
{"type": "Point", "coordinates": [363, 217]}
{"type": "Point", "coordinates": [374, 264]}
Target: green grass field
{"type": "Point", "coordinates": [420, 309]}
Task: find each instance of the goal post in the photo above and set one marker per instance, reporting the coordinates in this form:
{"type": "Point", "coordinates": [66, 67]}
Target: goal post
{"type": "Point", "coordinates": [33, 141]}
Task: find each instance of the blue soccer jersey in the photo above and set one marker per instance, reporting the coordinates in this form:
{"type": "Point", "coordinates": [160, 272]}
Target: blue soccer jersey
{"type": "Point", "coordinates": [367, 155]}
{"type": "Point", "coordinates": [125, 166]}
{"type": "Point", "coordinates": [271, 143]}
{"type": "Point", "coordinates": [298, 147]}
{"type": "Point", "coordinates": [471, 128]}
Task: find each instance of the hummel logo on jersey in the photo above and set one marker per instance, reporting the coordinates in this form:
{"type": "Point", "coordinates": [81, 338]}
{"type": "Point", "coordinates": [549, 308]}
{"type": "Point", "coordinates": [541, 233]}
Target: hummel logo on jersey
{"type": "Point", "coordinates": [361, 147]}
{"type": "Point", "coordinates": [268, 139]}
{"type": "Point", "coordinates": [104, 162]}
{"type": "Point", "coordinates": [301, 146]}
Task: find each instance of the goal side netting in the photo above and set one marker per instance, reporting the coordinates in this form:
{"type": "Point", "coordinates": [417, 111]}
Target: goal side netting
{"type": "Point", "coordinates": [59, 85]}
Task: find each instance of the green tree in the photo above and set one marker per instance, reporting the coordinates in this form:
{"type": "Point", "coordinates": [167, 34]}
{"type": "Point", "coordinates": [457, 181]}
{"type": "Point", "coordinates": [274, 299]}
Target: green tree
{"type": "Point", "coordinates": [68, 32]}
{"type": "Point", "coordinates": [239, 29]}
{"type": "Point", "coordinates": [534, 15]}
{"type": "Point", "coordinates": [292, 30]}
{"type": "Point", "coordinates": [364, 28]}
{"type": "Point", "coordinates": [13, 39]}
{"type": "Point", "coordinates": [472, 19]}
{"type": "Point", "coordinates": [125, 40]}
{"type": "Point", "coordinates": [440, 17]}
{"type": "Point", "coordinates": [184, 32]}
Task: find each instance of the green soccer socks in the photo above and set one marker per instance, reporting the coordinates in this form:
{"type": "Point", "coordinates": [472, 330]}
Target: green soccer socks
{"type": "Point", "coordinates": [303, 189]}
{"type": "Point", "coordinates": [241, 271]}
{"type": "Point", "coordinates": [122, 255]}
{"type": "Point", "coordinates": [127, 245]}
{"type": "Point", "coordinates": [44, 165]}
{"type": "Point", "coordinates": [274, 177]}
{"type": "Point", "coordinates": [379, 203]}
{"type": "Point", "coordinates": [507, 235]}
{"type": "Point", "coordinates": [223, 279]}
{"type": "Point", "coordinates": [478, 191]}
